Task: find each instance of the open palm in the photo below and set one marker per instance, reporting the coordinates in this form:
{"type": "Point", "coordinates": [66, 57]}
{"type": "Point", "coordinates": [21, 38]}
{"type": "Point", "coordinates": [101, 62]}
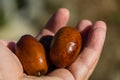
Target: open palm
{"type": "Point", "coordinates": [93, 41]}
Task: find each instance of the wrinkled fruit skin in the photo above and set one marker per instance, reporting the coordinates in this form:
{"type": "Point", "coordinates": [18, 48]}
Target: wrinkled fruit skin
{"type": "Point", "coordinates": [32, 55]}
{"type": "Point", "coordinates": [65, 47]}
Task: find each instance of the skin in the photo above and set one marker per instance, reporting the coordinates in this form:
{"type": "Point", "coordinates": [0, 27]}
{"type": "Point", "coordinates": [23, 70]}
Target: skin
{"type": "Point", "coordinates": [93, 41]}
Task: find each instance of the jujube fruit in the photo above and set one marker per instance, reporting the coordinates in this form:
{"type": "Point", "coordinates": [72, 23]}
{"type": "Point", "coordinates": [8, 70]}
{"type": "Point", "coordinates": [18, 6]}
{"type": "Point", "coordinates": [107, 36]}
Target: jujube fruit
{"type": "Point", "coordinates": [65, 47]}
{"type": "Point", "coordinates": [31, 53]}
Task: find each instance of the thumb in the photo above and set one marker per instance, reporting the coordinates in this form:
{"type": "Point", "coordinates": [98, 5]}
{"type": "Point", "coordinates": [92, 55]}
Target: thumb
{"type": "Point", "coordinates": [10, 67]}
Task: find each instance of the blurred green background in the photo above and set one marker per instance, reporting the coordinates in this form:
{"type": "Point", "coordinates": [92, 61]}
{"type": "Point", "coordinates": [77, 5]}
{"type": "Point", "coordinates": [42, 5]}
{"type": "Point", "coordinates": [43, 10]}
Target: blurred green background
{"type": "Point", "coordinates": [19, 17]}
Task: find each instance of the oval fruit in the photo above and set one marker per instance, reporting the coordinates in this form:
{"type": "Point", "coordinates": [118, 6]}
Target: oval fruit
{"type": "Point", "coordinates": [65, 47]}
{"type": "Point", "coordinates": [32, 55]}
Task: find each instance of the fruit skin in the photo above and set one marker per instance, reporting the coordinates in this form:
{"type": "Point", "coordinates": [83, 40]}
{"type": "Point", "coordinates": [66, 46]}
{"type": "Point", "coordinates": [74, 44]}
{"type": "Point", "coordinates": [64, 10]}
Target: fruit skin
{"type": "Point", "coordinates": [31, 53]}
{"type": "Point", "coordinates": [65, 47]}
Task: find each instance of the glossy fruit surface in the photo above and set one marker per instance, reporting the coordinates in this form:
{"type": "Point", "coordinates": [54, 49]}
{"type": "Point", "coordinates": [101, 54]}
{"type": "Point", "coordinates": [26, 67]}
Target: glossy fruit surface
{"type": "Point", "coordinates": [31, 53]}
{"type": "Point", "coordinates": [65, 47]}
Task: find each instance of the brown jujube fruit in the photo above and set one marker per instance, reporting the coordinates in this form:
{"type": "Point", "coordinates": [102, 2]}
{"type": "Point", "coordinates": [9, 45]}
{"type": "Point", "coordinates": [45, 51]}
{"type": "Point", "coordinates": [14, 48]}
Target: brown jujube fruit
{"type": "Point", "coordinates": [31, 53]}
{"type": "Point", "coordinates": [65, 46]}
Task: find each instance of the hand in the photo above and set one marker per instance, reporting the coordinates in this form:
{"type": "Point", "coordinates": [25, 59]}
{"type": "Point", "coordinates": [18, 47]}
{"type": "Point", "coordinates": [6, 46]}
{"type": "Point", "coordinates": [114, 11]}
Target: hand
{"type": "Point", "coordinates": [93, 41]}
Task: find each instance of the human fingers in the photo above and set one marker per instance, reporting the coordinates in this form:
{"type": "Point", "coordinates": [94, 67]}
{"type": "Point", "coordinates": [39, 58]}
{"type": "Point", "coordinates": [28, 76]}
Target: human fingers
{"type": "Point", "coordinates": [40, 78]}
{"type": "Point", "coordinates": [62, 73]}
{"type": "Point", "coordinates": [82, 67]}
{"type": "Point", "coordinates": [9, 43]}
{"type": "Point", "coordinates": [84, 26]}
{"type": "Point", "coordinates": [99, 26]}
{"type": "Point", "coordinates": [10, 67]}
{"type": "Point", "coordinates": [58, 20]}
